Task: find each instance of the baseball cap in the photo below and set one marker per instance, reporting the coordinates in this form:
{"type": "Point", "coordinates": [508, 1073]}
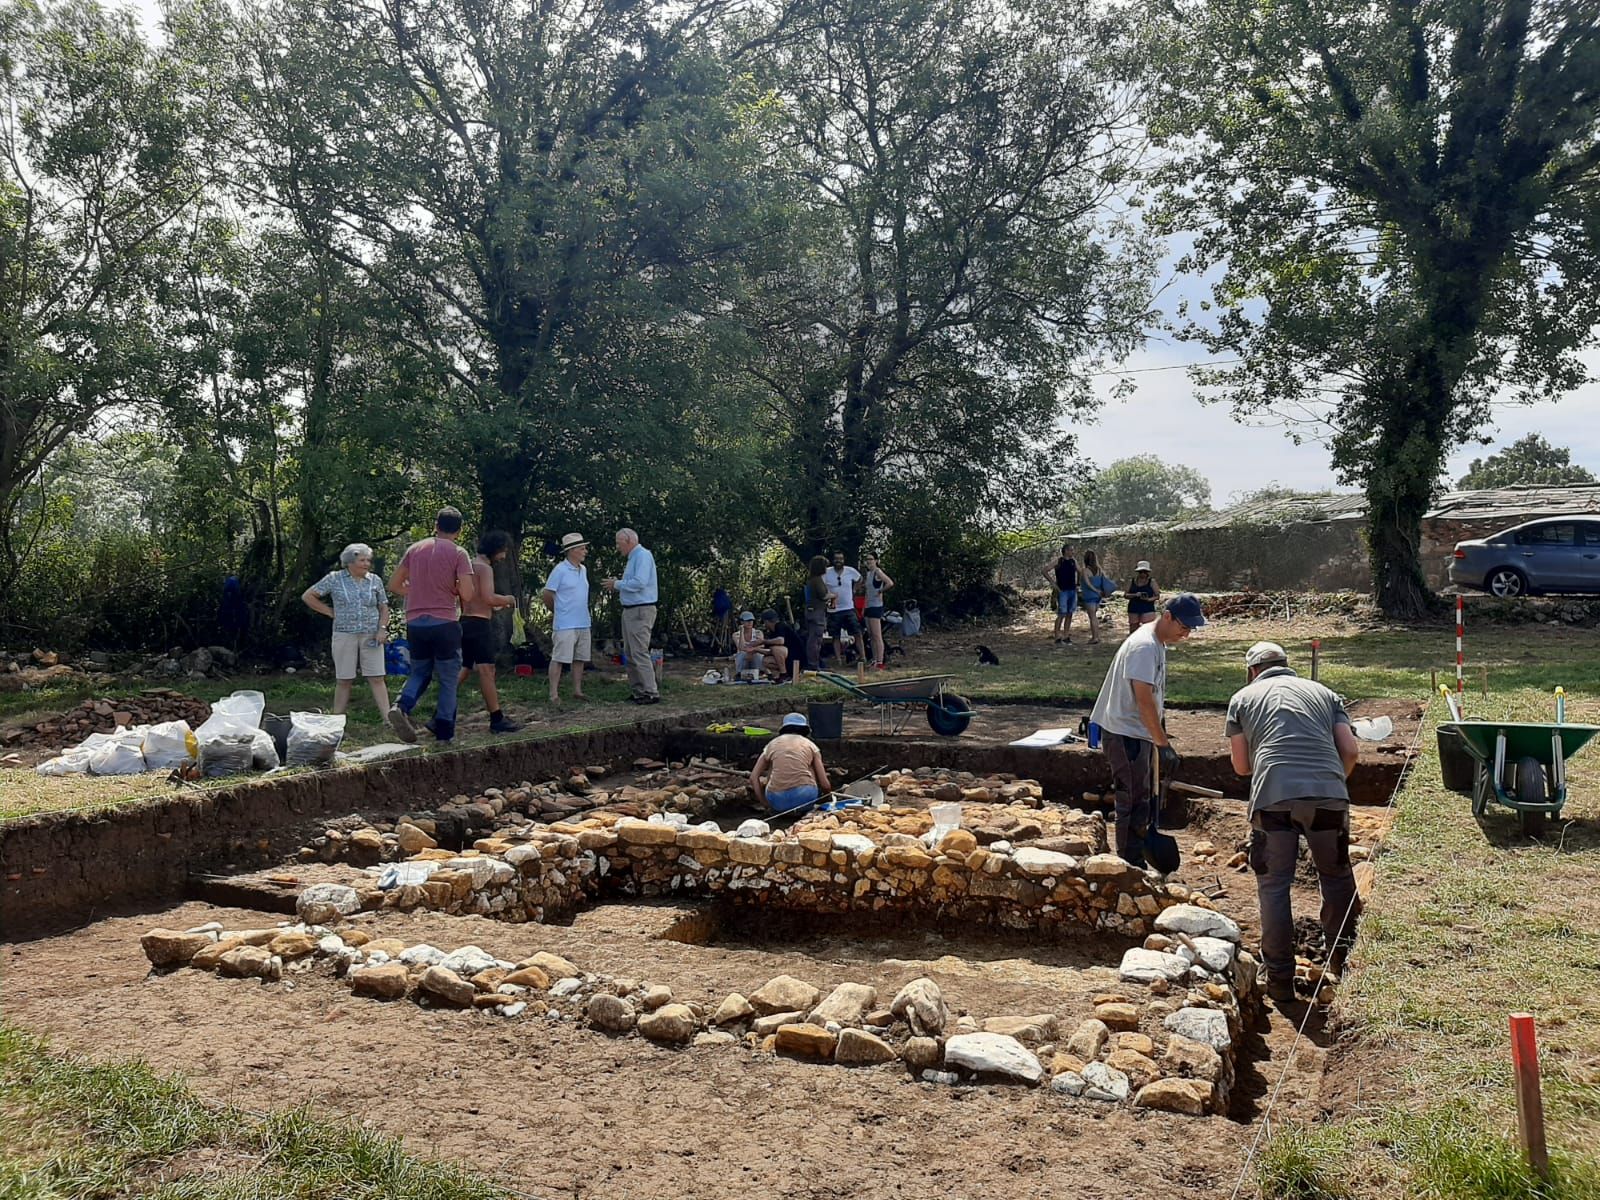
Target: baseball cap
{"type": "Point", "coordinates": [1142, 565]}
{"type": "Point", "coordinates": [1264, 652]}
{"type": "Point", "coordinates": [1186, 608]}
{"type": "Point", "coordinates": [794, 721]}
{"type": "Point", "coordinates": [747, 615]}
{"type": "Point", "coordinates": [770, 615]}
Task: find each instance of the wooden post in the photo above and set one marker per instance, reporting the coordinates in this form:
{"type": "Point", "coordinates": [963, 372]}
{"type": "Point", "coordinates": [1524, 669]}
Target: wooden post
{"type": "Point", "coordinates": [1530, 1105]}
{"type": "Point", "coordinates": [794, 671]}
{"type": "Point", "coordinates": [1316, 657]}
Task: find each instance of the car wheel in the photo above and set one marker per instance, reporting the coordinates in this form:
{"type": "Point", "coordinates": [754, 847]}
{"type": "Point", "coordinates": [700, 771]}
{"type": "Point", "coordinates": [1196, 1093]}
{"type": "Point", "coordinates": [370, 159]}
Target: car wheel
{"type": "Point", "coordinates": [1506, 581]}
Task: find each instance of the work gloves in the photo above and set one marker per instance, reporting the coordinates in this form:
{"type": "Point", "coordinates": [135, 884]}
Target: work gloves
{"type": "Point", "coordinates": [1170, 760]}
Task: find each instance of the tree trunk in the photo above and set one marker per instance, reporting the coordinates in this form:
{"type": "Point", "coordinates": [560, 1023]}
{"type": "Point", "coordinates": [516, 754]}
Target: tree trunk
{"type": "Point", "coordinates": [1405, 461]}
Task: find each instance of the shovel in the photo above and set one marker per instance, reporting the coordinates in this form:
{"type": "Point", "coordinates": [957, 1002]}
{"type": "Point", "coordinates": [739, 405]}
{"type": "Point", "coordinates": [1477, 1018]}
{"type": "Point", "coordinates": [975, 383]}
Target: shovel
{"type": "Point", "coordinates": [1160, 849]}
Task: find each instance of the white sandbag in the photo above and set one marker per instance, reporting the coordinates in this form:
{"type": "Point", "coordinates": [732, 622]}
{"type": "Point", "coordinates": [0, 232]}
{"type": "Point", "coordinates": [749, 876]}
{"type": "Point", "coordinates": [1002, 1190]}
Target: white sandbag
{"type": "Point", "coordinates": [314, 738]}
{"type": "Point", "coordinates": [263, 752]}
{"type": "Point", "coordinates": [73, 762]}
{"type": "Point", "coordinates": [117, 758]}
{"type": "Point", "coordinates": [237, 713]}
{"type": "Point", "coordinates": [170, 744]}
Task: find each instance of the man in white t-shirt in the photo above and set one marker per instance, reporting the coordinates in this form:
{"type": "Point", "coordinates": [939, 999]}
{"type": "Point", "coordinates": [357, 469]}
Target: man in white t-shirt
{"type": "Point", "coordinates": [843, 582]}
{"type": "Point", "coordinates": [566, 595]}
{"type": "Point", "coordinates": [1130, 710]}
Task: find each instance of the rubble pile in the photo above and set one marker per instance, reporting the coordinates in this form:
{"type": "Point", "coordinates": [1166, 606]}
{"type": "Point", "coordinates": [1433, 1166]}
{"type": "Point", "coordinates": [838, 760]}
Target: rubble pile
{"type": "Point", "coordinates": [22, 671]}
{"type": "Point", "coordinates": [213, 661]}
{"type": "Point", "coordinates": [153, 706]}
{"type": "Point", "coordinates": [1109, 1055]}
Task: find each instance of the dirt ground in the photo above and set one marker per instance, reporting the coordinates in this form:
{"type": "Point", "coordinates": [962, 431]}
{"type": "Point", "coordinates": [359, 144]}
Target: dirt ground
{"type": "Point", "coordinates": [624, 1118]}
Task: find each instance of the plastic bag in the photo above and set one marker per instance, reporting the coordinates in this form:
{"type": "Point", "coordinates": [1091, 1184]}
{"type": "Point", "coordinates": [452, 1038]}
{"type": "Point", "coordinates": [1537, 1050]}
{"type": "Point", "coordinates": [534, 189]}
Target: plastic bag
{"type": "Point", "coordinates": [314, 738]}
{"type": "Point", "coordinates": [1373, 729]}
{"type": "Point", "coordinates": [238, 713]}
{"type": "Point", "coordinates": [73, 762]}
{"type": "Point", "coordinates": [120, 756]}
{"type": "Point", "coordinates": [263, 751]}
{"type": "Point", "coordinates": [226, 754]}
{"type": "Point", "coordinates": [170, 744]}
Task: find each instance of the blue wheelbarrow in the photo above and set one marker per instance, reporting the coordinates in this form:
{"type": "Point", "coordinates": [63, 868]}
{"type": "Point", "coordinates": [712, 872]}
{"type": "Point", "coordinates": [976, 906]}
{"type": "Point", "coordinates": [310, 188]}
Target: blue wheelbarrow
{"type": "Point", "coordinates": [896, 699]}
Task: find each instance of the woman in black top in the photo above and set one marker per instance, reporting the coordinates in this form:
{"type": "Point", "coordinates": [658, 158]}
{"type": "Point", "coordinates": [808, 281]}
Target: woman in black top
{"type": "Point", "coordinates": [1063, 576]}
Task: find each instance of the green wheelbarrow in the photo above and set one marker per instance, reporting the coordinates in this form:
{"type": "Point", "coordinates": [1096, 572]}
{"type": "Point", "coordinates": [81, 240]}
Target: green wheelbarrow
{"type": "Point", "coordinates": [1522, 765]}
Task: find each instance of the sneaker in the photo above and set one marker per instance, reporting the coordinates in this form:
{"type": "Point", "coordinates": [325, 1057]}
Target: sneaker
{"type": "Point", "coordinates": [504, 725]}
{"type": "Point", "coordinates": [400, 722]}
{"type": "Point", "coordinates": [1281, 991]}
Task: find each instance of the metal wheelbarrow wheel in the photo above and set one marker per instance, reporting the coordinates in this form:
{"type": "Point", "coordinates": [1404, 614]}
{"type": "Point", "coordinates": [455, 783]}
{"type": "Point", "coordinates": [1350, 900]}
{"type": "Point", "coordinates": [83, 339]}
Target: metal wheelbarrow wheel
{"type": "Point", "coordinates": [949, 715]}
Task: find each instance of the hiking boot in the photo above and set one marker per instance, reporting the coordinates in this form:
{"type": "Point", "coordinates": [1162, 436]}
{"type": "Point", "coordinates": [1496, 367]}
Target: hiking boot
{"type": "Point", "coordinates": [503, 724]}
{"type": "Point", "coordinates": [1336, 961]}
{"type": "Point", "coordinates": [400, 722]}
{"type": "Point", "coordinates": [1281, 991]}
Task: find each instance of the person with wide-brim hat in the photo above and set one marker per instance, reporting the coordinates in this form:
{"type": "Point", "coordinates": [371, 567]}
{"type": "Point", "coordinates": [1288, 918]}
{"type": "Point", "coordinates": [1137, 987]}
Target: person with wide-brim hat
{"type": "Point", "coordinates": [790, 773]}
{"type": "Point", "coordinates": [566, 595]}
{"type": "Point", "coordinates": [1143, 596]}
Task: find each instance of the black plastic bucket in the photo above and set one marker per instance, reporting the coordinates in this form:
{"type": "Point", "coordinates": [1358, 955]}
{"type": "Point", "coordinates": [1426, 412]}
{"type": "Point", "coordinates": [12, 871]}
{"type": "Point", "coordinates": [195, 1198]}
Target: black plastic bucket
{"type": "Point", "coordinates": [277, 726]}
{"type": "Point", "coordinates": [826, 718]}
{"type": "Point", "coordinates": [1456, 763]}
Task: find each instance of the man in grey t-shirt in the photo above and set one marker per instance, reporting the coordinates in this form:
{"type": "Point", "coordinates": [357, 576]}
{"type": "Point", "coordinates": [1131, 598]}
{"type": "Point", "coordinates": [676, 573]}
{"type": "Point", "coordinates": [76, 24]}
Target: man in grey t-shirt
{"type": "Point", "coordinates": [1292, 737]}
{"type": "Point", "coordinates": [1129, 711]}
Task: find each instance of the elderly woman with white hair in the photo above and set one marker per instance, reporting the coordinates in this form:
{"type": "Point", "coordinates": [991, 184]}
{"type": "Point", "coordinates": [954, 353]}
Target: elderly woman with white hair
{"type": "Point", "coordinates": [355, 598]}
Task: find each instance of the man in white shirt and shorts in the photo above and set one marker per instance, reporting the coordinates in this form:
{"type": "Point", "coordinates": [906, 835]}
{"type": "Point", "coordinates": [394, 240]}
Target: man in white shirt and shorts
{"type": "Point", "coordinates": [566, 595]}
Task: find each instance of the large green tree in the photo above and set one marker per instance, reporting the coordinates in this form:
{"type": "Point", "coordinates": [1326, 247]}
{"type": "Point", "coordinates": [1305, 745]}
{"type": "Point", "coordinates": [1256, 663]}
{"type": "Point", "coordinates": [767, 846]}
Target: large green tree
{"type": "Point", "coordinates": [555, 198]}
{"type": "Point", "coordinates": [103, 170]}
{"type": "Point", "coordinates": [1528, 460]}
{"type": "Point", "coordinates": [956, 263]}
{"type": "Point", "coordinates": [1402, 201]}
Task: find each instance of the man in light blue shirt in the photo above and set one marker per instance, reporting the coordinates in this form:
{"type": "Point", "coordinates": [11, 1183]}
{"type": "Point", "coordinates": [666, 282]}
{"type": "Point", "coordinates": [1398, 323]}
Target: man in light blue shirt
{"type": "Point", "coordinates": [566, 595]}
{"type": "Point", "coordinates": [637, 591]}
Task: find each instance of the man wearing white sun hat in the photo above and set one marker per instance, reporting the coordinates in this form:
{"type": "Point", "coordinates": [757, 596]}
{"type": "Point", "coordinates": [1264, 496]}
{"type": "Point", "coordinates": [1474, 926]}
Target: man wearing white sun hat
{"type": "Point", "coordinates": [566, 595]}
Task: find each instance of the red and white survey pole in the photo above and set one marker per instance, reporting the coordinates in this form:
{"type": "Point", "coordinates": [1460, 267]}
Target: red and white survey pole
{"type": "Point", "coordinates": [1461, 633]}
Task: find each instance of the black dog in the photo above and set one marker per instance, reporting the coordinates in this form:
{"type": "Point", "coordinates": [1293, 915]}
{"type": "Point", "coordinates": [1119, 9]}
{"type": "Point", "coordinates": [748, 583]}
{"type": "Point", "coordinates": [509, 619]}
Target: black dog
{"type": "Point", "coordinates": [987, 657]}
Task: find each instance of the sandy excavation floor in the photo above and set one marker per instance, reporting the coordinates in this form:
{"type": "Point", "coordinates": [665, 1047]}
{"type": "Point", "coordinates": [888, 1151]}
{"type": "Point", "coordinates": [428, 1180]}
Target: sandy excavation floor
{"type": "Point", "coordinates": [554, 1110]}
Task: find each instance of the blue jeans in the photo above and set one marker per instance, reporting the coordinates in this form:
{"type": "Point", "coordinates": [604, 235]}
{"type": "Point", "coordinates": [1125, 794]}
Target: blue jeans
{"type": "Point", "coordinates": [1066, 602]}
{"type": "Point", "coordinates": [791, 798]}
{"type": "Point", "coordinates": [434, 647]}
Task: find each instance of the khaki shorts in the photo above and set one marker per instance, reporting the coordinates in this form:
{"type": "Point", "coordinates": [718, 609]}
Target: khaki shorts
{"type": "Point", "coordinates": [568, 646]}
{"type": "Point", "coordinates": [352, 656]}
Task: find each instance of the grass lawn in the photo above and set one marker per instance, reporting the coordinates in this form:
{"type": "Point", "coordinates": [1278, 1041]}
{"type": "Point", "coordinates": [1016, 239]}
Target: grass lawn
{"type": "Point", "coordinates": [69, 1128]}
{"type": "Point", "coordinates": [1469, 922]}
{"type": "Point", "coordinates": [1206, 669]}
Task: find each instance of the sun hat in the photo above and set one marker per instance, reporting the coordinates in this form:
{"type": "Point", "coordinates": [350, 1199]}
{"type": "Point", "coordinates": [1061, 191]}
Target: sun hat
{"type": "Point", "coordinates": [1265, 652]}
{"type": "Point", "coordinates": [1187, 609]}
{"type": "Point", "coordinates": [747, 615]}
{"type": "Point", "coordinates": [571, 541]}
{"type": "Point", "coordinates": [795, 721]}
{"type": "Point", "coordinates": [1142, 565]}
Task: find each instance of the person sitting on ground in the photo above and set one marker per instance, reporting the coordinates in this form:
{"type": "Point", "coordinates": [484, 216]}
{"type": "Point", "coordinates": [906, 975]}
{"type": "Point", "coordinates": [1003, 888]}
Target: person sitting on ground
{"type": "Point", "coordinates": [749, 647]}
{"type": "Point", "coordinates": [1142, 597]}
{"type": "Point", "coordinates": [355, 599]}
{"type": "Point", "coordinates": [1094, 589]}
{"type": "Point", "coordinates": [783, 643]}
{"type": "Point", "coordinates": [477, 626]}
{"type": "Point", "coordinates": [1063, 577]}
{"type": "Point", "coordinates": [790, 773]}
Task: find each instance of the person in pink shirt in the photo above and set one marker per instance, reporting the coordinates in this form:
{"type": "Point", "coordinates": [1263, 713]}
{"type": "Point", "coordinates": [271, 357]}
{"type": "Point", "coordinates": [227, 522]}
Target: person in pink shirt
{"type": "Point", "coordinates": [433, 576]}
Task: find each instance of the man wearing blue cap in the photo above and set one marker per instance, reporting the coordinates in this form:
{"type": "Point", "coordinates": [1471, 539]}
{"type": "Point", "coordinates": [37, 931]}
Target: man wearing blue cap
{"type": "Point", "coordinates": [789, 774]}
{"type": "Point", "coordinates": [1130, 710]}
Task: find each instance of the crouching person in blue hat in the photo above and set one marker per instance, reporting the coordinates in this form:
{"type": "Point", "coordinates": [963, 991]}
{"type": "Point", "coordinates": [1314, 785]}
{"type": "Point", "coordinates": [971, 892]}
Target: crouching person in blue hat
{"type": "Point", "coordinates": [789, 774]}
{"type": "Point", "coordinates": [1130, 710]}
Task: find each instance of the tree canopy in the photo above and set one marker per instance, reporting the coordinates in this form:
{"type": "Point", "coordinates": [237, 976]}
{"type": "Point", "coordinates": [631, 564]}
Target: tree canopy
{"type": "Point", "coordinates": [1400, 199]}
{"type": "Point", "coordinates": [1528, 460]}
{"type": "Point", "coordinates": [1137, 489]}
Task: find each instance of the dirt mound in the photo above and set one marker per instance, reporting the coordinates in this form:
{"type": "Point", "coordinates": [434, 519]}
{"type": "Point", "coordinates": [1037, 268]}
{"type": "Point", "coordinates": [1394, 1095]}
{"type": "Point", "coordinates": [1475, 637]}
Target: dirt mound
{"type": "Point", "coordinates": [103, 714]}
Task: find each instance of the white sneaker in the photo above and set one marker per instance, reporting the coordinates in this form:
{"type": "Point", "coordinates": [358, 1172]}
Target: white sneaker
{"type": "Point", "coordinates": [400, 722]}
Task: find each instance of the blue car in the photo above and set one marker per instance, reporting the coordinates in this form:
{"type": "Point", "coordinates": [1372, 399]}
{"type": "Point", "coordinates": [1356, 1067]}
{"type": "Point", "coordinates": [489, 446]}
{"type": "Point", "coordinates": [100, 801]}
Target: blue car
{"type": "Point", "coordinates": [1555, 554]}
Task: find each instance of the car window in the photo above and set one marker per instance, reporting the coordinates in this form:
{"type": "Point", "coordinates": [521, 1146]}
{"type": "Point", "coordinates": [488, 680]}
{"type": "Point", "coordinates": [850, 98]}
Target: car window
{"type": "Point", "coordinates": [1550, 533]}
{"type": "Point", "coordinates": [1589, 533]}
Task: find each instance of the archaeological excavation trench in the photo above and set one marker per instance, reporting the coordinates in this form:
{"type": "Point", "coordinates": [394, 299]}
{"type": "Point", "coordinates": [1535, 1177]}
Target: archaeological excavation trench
{"type": "Point", "coordinates": [609, 901]}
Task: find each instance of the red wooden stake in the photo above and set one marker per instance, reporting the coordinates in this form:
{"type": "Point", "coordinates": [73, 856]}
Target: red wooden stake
{"type": "Point", "coordinates": [1530, 1105]}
